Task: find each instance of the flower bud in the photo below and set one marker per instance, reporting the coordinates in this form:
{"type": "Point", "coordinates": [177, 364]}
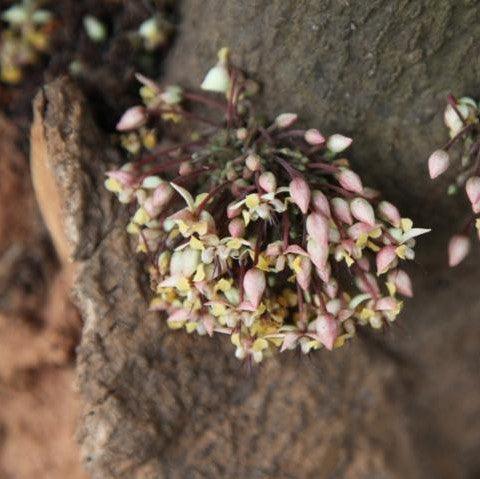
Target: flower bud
{"type": "Point", "coordinates": [337, 143]}
{"type": "Point", "coordinates": [314, 137]}
{"type": "Point", "coordinates": [253, 162]}
{"type": "Point", "coordinates": [268, 182]}
{"type": "Point", "coordinates": [438, 163]}
{"type": "Point", "coordinates": [327, 330]}
{"type": "Point", "coordinates": [190, 259]}
{"type": "Point", "coordinates": [151, 182]}
{"type": "Point", "coordinates": [341, 210]}
{"type": "Point", "coordinates": [241, 134]}
{"type": "Point", "coordinates": [458, 249]}
{"type": "Point", "coordinates": [362, 210]}
{"type": "Point", "coordinates": [364, 264]}
{"type": "Point", "coordinates": [185, 168]}
{"type": "Point", "coordinates": [350, 181]}
{"type": "Point", "coordinates": [318, 253]}
{"type": "Point", "coordinates": [218, 79]}
{"type": "Point", "coordinates": [472, 188]}
{"type": "Point", "coordinates": [318, 228]}
{"type": "Point", "coordinates": [300, 193]}
{"type": "Point", "coordinates": [389, 213]}
{"type": "Point", "coordinates": [254, 285]}
{"type": "Point", "coordinates": [453, 122]}
{"type": "Point", "coordinates": [331, 288]}
{"type": "Point", "coordinates": [320, 203]}
{"type": "Point", "coordinates": [304, 275]}
{"type": "Point", "coordinates": [233, 211]}
{"type": "Point", "coordinates": [285, 120]}
{"type": "Point", "coordinates": [325, 273]}
{"type": "Point", "coordinates": [150, 31]}
{"type": "Point", "coordinates": [15, 15]}
{"type": "Point", "coordinates": [95, 29]}
{"type": "Point", "coordinates": [236, 227]}
{"type": "Point", "coordinates": [402, 282]}
{"type": "Point", "coordinates": [162, 194]}
{"type": "Point", "coordinates": [133, 118]}
{"type": "Point", "coordinates": [386, 257]}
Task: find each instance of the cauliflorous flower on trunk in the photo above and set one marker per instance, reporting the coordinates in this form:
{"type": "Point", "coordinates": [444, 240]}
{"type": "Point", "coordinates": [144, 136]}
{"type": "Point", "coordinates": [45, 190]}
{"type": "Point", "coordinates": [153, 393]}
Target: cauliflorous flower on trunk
{"type": "Point", "coordinates": [256, 230]}
{"type": "Point", "coordinates": [462, 153]}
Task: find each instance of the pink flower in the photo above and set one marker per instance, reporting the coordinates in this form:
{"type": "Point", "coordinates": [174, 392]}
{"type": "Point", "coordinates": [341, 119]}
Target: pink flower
{"type": "Point", "coordinates": [438, 163]}
{"type": "Point", "coordinates": [341, 210]}
{"type": "Point", "coordinates": [389, 212]}
{"type": "Point", "coordinates": [350, 181]}
{"type": "Point", "coordinates": [314, 137]}
{"type": "Point", "coordinates": [327, 330]}
{"type": "Point", "coordinates": [362, 210]}
{"type": "Point", "coordinates": [385, 258]}
{"type": "Point", "coordinates": [300, 193]}
{"type": "Point", "coordinates": [254, 285]}
{"type": "Point", "coordinates": [472, 188]}
{"type": "Point", "coordinates": [458, 249]}
{"type": "Point", "coordinates": [133, 118]}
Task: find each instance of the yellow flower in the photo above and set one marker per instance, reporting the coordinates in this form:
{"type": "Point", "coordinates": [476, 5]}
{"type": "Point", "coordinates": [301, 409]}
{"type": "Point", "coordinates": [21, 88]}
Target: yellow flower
{"type": "Point", "coordinates": [252, 201]}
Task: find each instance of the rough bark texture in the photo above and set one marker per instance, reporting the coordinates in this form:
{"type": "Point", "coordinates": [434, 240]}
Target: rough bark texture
{"type": "Point", "coordinates": [164, 404]}
{"type": "Point", "coordinates": [66, 171]}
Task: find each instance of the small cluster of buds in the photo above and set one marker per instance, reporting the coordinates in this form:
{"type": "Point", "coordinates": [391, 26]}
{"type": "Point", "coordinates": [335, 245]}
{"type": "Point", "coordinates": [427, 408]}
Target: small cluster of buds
{"type": "Point", "coordinates": [462, 120]}
{"type": "Point", "coordinates": [258, 231]}
{"type": "Point", "coordinates": [25, 39]}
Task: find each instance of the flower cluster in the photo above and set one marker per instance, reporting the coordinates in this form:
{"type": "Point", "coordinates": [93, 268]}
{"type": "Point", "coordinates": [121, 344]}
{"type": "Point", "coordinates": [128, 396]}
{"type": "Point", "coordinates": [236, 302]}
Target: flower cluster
{"type": "Point", "coordinates": [257, 230]}
{"type": "Point", "coordinates": [25, 39]}
{"type": "Point", "coordinates": [462, 120]}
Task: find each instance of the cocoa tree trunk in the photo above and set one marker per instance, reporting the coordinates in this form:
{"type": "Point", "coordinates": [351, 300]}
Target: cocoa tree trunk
{"type": "Point", "coordinates": [406, 404]}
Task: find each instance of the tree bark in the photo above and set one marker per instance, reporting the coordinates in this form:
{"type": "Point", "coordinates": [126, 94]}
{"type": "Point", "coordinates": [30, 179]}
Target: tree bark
{"type": "Point", "coordinates": [160, 403]}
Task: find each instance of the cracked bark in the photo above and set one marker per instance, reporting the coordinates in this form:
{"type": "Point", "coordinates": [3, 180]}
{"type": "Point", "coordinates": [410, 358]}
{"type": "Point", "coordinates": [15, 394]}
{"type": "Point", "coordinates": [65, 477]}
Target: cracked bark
{"type": "Point", "coordinates": [164, 404]}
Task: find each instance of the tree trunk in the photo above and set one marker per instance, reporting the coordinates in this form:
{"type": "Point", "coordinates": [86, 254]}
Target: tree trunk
{"type": "Point", "coordinates": [160, 403]}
